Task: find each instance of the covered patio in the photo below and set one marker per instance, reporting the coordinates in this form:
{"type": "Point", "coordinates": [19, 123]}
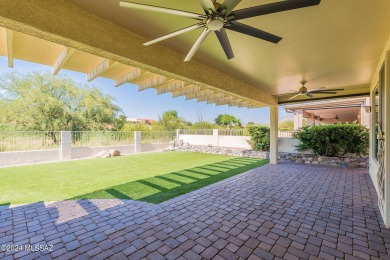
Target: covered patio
{"type": "Point", "coordinates": [273, 212]}
{"type": "Point", "coordinates": [276, 211]}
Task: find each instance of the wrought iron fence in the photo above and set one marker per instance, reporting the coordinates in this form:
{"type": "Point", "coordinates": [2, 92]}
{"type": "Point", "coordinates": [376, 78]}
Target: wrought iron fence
{"type": "Point", "coordinates": [101, 138]}
{"type": "Point", "coordinates": [149, 137]}
{"type": "Point", "coordinates": [234, 132]}
{"type": "Point", "coordinates": [13, 141]}
{"type": "Point", "coordinates": [285, 133]}
{"type": "Point", "coordinates": [196, 132]}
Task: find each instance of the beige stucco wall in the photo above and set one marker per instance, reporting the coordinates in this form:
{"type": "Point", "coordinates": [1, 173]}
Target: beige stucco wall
{"type": "Point", "coordinates": [28, 157]}
{"type": "Point", "coordinates": [373, 162]}
{"type": "Point", "coordinates": [90, 152]}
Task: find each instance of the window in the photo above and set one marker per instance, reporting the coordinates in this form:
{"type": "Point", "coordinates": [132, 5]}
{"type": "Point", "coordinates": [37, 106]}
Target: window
{"type": "Point", "coordinates": [375, 114]}
{"type": "Point", "coordinates": [378, 110]}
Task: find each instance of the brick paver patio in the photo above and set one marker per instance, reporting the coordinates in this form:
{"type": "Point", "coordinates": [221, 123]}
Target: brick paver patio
{"type": "Point", "coordinates": [281, 211]}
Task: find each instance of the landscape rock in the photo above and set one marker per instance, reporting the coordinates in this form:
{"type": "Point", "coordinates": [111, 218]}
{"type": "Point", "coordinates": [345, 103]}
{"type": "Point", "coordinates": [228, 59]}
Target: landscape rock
{"type": "Point", "coordinates": [350, 160]}
{"type": "Point", "coordinates": [114, 152]}
{"type": "Point", "coordinates": [103, 154]}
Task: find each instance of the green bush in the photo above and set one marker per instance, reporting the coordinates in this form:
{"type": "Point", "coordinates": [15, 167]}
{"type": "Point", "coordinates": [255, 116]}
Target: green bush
{"type": "Point", "coordinates": [259, 137]}
{"type": "Point", "coordinates": [330, 140]}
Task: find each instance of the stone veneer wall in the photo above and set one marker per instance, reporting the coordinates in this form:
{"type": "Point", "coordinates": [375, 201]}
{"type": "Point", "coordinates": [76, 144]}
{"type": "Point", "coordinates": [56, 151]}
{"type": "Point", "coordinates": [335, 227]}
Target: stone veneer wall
{"type": "Point", "coordinates": [185, 147]}
{"type": "Point", "coordinates": [350, 160]}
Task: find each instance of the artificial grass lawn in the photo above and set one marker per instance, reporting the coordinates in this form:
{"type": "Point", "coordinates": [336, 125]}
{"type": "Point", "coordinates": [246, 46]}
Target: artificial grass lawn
{"type": "Point", "coordinates": [153, 177]}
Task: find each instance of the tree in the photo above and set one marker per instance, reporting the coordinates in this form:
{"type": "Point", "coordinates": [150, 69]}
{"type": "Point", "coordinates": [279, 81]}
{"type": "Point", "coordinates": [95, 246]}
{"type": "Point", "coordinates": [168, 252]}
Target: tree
{"type": "Point", "coordinates": [227, 120]}
{"type": "Point", "coordinates": [204, 125]}
{"type": "Point", "coordinates": [119, 123]}
{"type": "Point", "coordinates": [43, 102]}
{"type": "Point", "coordinates": [170, 120]}
{"type": "Point", "coordinates": [286, 125]}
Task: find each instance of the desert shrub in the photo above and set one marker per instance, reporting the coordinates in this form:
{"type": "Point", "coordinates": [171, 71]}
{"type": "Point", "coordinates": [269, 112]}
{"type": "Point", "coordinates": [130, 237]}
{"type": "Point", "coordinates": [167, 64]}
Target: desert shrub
{"type": "Point", "coordinates": [259, 137]}
{"type": "Point", "coordinates": [337, 139]}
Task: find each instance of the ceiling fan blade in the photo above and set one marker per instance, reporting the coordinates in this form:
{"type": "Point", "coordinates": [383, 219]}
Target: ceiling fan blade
{"type": "Point", "coordinates": [224, 41]}
{"type": "Point", "coordinates": [197, 44]}
{"type": "Point", "coordinates": [316, 89]}
{"type": "Point", "coordinates": [323, 92]}
{"type": "Point", "coordinates": [160, 10]}
{"type": "Point", "coordinates": [228, 6]}
{"type": "Point", "coordinates": [254, 32]}
{"type": "Point", "coordinates": [334, 89]}
{"type": "Point", "coordinates": [294, 96]}
{"type": "Point", "coordinates": [170, 35]}
{"type": "Point", "coordinates": [309, 95]}
{"type": "Point", "coordinates": [207, 5]}
{"type": "Point", "coordinates": [272, 8]}
{"type": "Point", "coordinates": [287, 94]}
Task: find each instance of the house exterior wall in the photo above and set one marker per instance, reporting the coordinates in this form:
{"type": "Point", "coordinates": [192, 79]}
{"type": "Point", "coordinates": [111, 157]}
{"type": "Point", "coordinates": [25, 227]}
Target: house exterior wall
{"type": "Point", "coordinates": [374, 166]}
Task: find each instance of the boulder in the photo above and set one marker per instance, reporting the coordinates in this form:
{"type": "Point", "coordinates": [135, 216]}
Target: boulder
{"type": "Point", "coordinates": [114, 152]}
{"type": "Point", "coordinates": [103, 154]}
{"type": "Point", "coordinates": [299, 160]}
{"type": "Point", "coordinates": [355, 165]}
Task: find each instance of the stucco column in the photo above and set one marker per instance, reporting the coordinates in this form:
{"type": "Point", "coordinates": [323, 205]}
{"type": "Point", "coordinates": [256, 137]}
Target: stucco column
{"type": "Point", "coordinates": [66, 145]}
{"type": "Point", "coordinates": [298, 119]}
{"type": "Point", "coordinates": [177, 134]}
{"type": "Point", "coordinates": [273, 151]}
{"type": "Point", "coordinates": [137, 142]}
{"type": "Point", "coordinates": [215, 137]}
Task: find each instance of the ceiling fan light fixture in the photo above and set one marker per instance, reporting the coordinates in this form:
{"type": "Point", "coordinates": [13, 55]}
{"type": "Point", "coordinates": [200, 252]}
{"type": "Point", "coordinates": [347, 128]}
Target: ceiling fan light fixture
{"type": "Point", "coordinates": [215, 23]}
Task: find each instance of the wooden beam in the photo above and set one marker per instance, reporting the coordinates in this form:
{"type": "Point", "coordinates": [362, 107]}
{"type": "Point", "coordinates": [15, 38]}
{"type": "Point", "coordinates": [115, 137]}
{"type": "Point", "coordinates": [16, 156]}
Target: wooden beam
{"type": "Point", "coordinates": [149, 81]}
{"type": "Point", "coordinates": [64, 56]}
{"type": "Point", "coordinates": [243, 104]}
{"type": "Point", "coordinates": [234, 102]}
{"type": "Point", "coordinates": [186, 90]}
{"type": "Point", "coordinates": [223, 101]}
{"type": "Point", "coordinates": [217, 96]}
{"type": "Point", "coordinates": [189, 96]}
{"type": "Point", "coordinates": [9, 35]}
{"type": "Point", "coordinates": [169, 86]}
{"type": "Point", "coordinates": [105, 65]}
{"type": "Point", "coordinates": [204, 95]}
{"type": "Point", "coordinates": [127, 77]}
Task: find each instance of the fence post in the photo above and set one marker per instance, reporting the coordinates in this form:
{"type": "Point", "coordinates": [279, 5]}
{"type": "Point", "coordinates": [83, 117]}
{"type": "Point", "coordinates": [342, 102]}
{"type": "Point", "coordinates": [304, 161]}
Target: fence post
{"type": "Point", "coordinates": [215, 137]}
{"type": "Point", "coordinates": [66, 145]}
{"type": "Point", "coordinates": [137, 142]}
{"type": "Point", "coordinates": [177, 134]}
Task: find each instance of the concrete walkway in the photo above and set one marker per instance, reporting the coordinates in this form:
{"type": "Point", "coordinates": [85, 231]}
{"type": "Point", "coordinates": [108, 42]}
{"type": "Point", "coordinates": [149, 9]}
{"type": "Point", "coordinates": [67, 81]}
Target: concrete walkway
{"type": "Point", "coordinates": [284, 211]}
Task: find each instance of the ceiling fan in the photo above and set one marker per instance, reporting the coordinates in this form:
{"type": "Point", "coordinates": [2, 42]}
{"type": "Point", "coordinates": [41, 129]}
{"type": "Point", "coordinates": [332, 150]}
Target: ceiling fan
{"type": "Point", "coordinates": [218, 17]}
{"type": "Point", "coordinates": [304, 92]}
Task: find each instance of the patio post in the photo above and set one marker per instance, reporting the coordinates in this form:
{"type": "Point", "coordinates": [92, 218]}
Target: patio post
{"type": "Point", "coordinates": [273, 151]}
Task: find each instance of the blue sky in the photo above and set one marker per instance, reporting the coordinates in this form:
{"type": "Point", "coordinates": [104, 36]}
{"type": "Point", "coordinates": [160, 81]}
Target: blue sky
{"type": "Point", "coordinates": [147, 104]}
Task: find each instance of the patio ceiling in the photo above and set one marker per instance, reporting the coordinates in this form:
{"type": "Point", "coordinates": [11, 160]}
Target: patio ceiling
{"type": "Point", "coordinates": [336, 44]}
{"type": "Point", "coordinates": [345, 109]}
